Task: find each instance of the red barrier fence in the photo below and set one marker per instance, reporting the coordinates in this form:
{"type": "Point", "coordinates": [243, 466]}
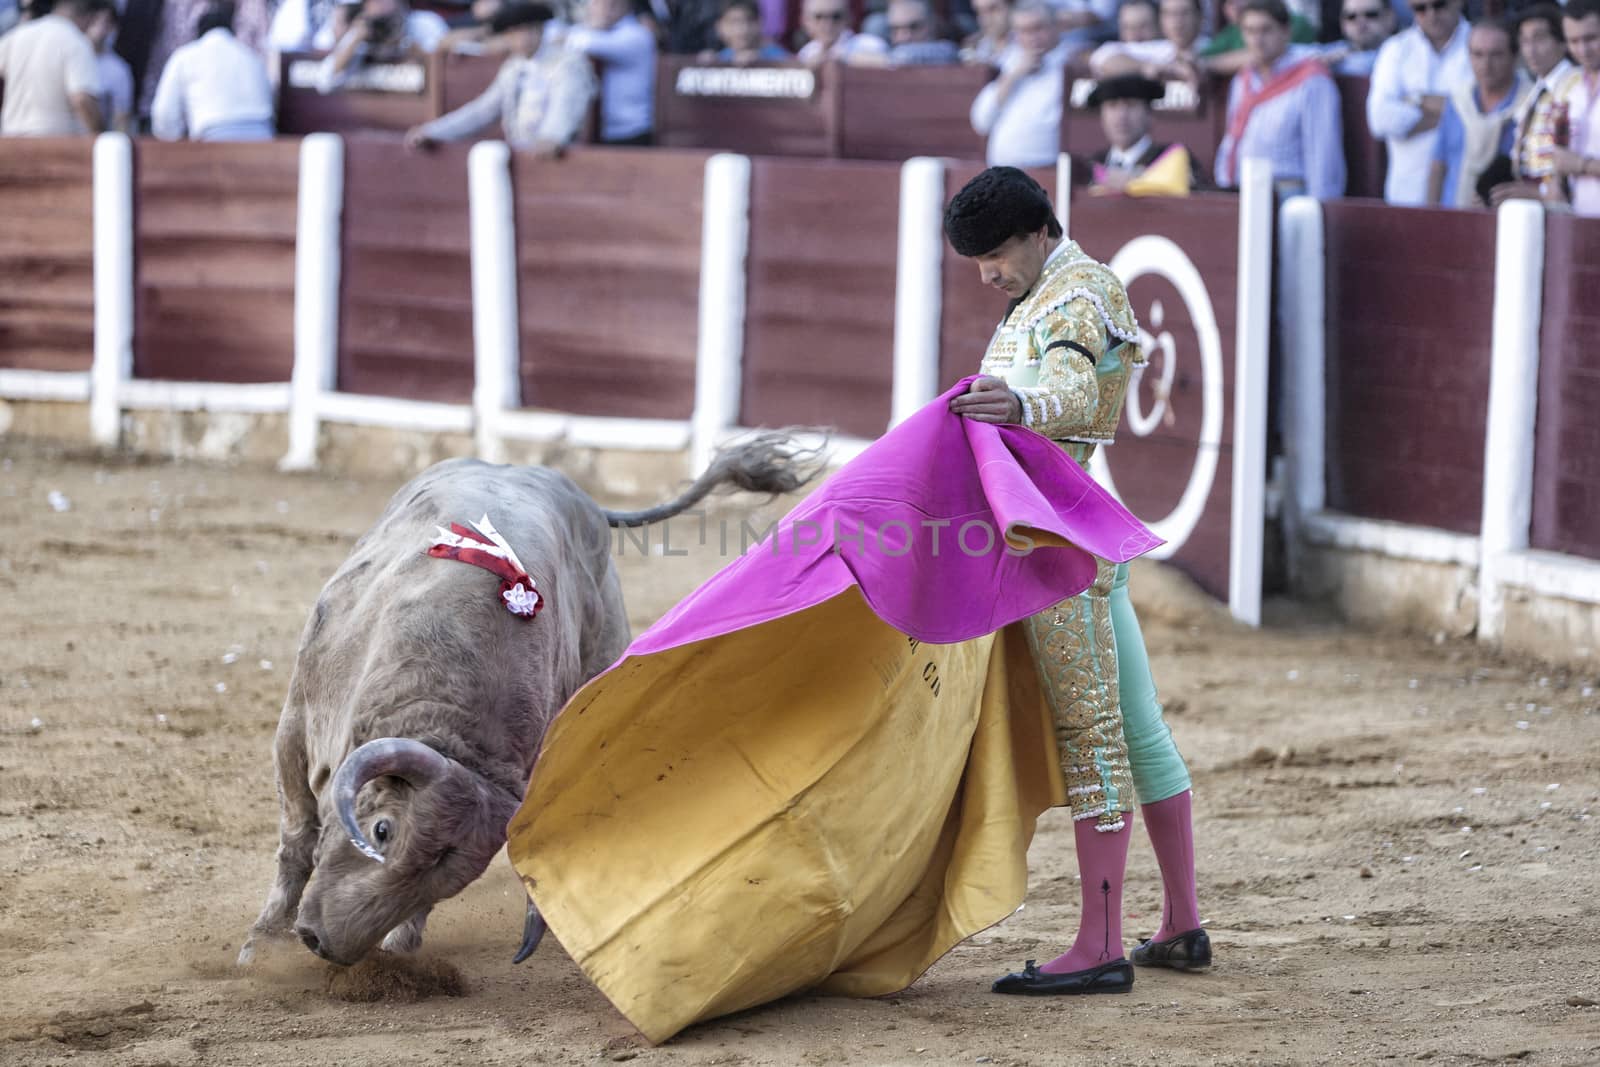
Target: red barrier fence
{"type": "Point", "coordinates": [1566, 472]}
{"type": "Point", "coordinates": [47, 254]}
{"type": "Point", "coordinates": [1410, 299]}
{"type": "Point", "coordinates": [405, 301]}
{"type": "Point", "coordinates": [608, 264]}
{"type": "Point", "coordinates": [819, 318]}
{"type": "Point", "coordinates": [214, 243]}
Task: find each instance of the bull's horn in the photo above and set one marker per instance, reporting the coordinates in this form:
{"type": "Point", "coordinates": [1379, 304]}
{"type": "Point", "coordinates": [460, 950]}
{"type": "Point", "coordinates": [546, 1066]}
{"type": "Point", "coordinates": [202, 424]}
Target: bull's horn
{"type": "Point", "coordinates": [533, 929]}
{"type": "Point", "coordinates": [399, 756]}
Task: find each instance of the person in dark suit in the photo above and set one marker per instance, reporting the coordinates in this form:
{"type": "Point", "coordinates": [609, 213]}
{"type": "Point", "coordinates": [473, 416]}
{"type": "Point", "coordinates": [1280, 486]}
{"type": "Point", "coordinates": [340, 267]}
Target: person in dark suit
{"type": "Point", "coordinates": [1124, 102]}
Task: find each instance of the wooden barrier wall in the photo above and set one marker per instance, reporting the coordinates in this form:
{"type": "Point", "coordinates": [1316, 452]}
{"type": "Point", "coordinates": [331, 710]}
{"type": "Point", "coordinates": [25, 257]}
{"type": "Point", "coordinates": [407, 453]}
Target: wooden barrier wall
{"type": "Point", "coordinates": [405, 288]}
{"type": "Point", "coordinates": [819, 314]}
{"type": "Point", "coordinates": [1410, 300]}
{"type": "Point", "coordinates": [214, 243]}
{"type": "Point", "coordinates": [1566, 472]}
{"type": "Point", "coordinates": [608, 259]}
{"type": "Point", "coordinates": [47, 254]}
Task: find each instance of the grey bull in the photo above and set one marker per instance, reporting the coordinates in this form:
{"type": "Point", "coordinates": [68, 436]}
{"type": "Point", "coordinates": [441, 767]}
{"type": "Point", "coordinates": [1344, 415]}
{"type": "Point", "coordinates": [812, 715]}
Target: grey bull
{"type": "Point", "coordinates": [418, 701]}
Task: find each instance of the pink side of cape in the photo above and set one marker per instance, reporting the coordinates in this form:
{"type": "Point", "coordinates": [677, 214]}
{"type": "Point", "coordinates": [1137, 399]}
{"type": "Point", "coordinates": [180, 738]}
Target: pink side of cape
{"type": "Point", "coordinates": [918, 522]}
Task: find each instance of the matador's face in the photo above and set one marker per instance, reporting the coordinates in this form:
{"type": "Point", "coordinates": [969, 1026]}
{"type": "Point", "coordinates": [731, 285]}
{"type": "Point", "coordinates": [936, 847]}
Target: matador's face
{"type": "Point", "coordinates": [1015, 266]}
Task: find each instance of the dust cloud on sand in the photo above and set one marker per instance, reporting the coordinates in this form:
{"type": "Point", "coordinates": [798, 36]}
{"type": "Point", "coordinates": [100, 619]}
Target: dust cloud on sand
{"type": "Point", "coordinates": [1396, 838]}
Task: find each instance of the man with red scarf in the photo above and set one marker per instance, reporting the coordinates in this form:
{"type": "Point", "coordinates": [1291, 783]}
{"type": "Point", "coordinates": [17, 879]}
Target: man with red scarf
{"type": "Point", "coordinates": [1283, 107]}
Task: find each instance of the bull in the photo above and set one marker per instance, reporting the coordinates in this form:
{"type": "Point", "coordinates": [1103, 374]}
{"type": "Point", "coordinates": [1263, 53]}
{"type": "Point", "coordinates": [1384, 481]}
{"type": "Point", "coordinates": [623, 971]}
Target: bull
{"type": "Point", "coordinates": [418, 701]}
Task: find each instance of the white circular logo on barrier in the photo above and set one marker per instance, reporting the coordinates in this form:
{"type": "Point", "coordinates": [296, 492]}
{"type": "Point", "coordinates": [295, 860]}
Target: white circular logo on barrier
{"type": "Point", "coordinates": [1160, 256]}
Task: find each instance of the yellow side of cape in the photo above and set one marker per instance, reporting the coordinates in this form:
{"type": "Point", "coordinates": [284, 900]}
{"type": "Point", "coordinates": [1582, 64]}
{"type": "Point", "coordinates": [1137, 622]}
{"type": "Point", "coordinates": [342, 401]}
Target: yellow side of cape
{"type": "Point", "coordinates": [817, 802]}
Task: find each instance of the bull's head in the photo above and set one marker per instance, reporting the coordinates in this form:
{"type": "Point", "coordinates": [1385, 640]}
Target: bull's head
{"type": "Point", "coordinates": [413, 829]}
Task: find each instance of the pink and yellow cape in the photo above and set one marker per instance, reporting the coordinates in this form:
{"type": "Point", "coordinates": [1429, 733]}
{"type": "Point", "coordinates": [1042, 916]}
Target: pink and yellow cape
{"type": "Point", "coordinates": [822, 769]}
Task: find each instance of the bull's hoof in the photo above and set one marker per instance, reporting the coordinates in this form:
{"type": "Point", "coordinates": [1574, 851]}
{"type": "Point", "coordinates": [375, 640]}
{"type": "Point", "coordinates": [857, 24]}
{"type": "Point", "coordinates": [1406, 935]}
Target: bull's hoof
{"type": "Point", "coordinates": [247, 954]}
{"type": "Point", "coordinates": [404, 939]}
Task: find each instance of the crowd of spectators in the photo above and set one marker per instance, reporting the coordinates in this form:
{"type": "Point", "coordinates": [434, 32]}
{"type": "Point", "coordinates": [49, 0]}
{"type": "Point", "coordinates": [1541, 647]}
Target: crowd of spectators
{"type": "Point", "coordinates": [1470, 111]}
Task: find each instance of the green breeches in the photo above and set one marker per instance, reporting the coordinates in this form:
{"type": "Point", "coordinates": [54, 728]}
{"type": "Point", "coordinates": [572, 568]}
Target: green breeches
{"type": "Point", "coordinates": [1113, 741]}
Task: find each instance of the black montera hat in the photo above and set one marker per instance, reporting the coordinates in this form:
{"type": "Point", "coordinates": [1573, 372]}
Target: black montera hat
{"type": "Point", "coordinates": [520, 14]}
{"type": "Point", "coordinates": [993, 208]}
{"type": "Point", "coordinates": [1127, 87]}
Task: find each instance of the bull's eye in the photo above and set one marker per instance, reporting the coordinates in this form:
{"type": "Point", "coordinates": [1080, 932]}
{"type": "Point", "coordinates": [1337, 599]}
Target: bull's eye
{"type": "Point", "coordinates": [380, 831]}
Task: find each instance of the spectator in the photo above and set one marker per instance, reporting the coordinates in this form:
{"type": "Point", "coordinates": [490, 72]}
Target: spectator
{"type": "Point", "coordinates": [1137, 21]}
{"type": "Point", "coordinates": [684, 27]}
{"type": "Point", "coordinates": [116, 78]}
{"type": "Point", "coordinates": [1578, 160]}
{"type": "Point", "coordinates": [383, 31]}
{"type": "Point", "coordinates": [1020, 111]}
{"type": "Point", "coordinates": [539, 97]}
{"type": "Point", "coordinates": [1124, 101]}
{"type": "Point", "coordinates": [626, 51]}
{"type": "Point", "coordinates": [1171, 57]}
{"type": "Point", "coordinates": [1225, 52]}
{"type": "Point", "coordinates": [826, 24]}
{"type": "Point", "coordinates": [1366, 25]}
{"type": "Point", "coordinates": [1477, 123]}
{"type": "Point", "coordinates": [52, 82]}
{"type": "Point", "coordinates": [471, 32]}
{"type": "Point", "coordinates": [912, 41]}
{"type": "Point", "coordinates": [1543, 49]}
{"type": "Point", "coordinates": [1405, 102]}
{"type": "Point", "coordinates": [252, 23]}
{"type": "Point", "coordinates": [214, 88]}
{"type": "Point", "coordinates": [1085, 24]}
{"type": "Point", "coordinates": [743, 43]}
{"type": "Point", "coordinates": [1283, 107]}
{"type": "Point", "coordinates": [296, 24]}
{"type": "Point", "coordinates": [987, 47]}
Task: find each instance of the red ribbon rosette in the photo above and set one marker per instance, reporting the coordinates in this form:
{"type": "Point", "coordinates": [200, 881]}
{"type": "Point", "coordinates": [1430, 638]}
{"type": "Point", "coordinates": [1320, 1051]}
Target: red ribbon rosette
{"type": "Point", "coordinates": [483, 546]}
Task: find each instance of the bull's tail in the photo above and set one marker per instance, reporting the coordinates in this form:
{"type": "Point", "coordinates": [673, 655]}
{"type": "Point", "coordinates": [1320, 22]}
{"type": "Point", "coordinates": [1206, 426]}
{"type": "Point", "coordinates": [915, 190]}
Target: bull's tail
{"type": "Point", "coordinates": [771, 462]}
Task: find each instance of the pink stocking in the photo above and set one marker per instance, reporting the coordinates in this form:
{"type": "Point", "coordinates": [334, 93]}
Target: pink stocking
{"type": "Point", "coordinates": [1171, 829]}
{"type": "Point", "coordinates": [1102, 861]}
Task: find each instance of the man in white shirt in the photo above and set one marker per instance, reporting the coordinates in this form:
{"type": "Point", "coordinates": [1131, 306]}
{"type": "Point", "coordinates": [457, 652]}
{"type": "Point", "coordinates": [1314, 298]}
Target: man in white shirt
{"type": "Point", "coordinates": [1579, 159]}
{"type": "Point", "coordinates": [1414, 72]}
{"type": "Point", "coordinates": [52, 82]}
{"type": "Point", "coordinates": [213, 88]}
{"type": "Point", "coordinates": [1170, 57]}
{"type": "Point", "coordinates": [826, 23]}
{"type": "Point", "coordinates": [1020, 111]}
{"type": "Point", "coordinates": [385, 31]}
{"type": "Point", "coordinates": [626, 52]}
{"type": "Point", "coordinates": [539, 98]}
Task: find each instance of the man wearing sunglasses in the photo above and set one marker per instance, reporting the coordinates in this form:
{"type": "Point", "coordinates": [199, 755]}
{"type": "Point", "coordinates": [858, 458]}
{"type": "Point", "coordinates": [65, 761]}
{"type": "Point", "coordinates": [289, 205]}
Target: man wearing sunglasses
{"type": "Point", "coordinates": [827, 25]}
{"type": "Point", "coordinates": [1366, 24]}
{"type": "Point", "coordinates": [1410, 82]}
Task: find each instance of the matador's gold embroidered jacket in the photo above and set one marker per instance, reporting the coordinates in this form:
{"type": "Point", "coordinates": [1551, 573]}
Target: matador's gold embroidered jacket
{"type": "Point", "coordinates": [1067, 349]}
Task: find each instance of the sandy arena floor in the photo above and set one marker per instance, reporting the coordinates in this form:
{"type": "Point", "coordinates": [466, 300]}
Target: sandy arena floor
{"type": "Point", "coordinates": [1396, 846]}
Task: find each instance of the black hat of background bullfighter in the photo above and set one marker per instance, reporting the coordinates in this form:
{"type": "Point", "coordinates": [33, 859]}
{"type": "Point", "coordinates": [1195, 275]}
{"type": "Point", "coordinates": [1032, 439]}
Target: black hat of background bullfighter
{"type": "Point", "coordinates": [994, 207]}
{"type": "Point", "coordinates": [1127, 87]}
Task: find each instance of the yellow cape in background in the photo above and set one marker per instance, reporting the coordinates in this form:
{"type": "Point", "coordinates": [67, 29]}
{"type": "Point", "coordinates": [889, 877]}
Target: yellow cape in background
{"type": "Point", "coordinates": [816, 802]}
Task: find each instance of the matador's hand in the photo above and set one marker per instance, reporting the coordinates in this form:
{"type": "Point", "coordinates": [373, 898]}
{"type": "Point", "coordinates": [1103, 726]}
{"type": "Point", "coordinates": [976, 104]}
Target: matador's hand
{"type": "Point", "coordinates": [988, 400]}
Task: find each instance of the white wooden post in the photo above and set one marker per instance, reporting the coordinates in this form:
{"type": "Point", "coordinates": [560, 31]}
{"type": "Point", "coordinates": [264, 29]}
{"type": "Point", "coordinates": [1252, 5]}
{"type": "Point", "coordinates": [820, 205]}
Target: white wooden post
{"type": "Point", "coordinates": [1064, 192]}
{"type": "Point", "coordinates": [724, 245]}
{"type": "Point", "coordinates": [316, 293]}
{"type": "Point", "coordinates": [1513, 402]}
{"type": "Point", "coordinates": [918, 287]}
{"type": "Point", "coordinates": [1302, 258]}
{"type": "Point", "coordinates": [496, 385]}
{"type": "Point", "coordinates": [1252, 336]}
{"type": "Point", "coordinates": [113, 286]}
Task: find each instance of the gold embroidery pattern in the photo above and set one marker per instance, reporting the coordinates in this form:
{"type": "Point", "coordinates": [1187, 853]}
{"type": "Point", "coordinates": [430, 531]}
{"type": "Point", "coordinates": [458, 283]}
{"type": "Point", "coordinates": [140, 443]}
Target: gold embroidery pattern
{"type": "Point", "coordinates": [1076, 654]}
